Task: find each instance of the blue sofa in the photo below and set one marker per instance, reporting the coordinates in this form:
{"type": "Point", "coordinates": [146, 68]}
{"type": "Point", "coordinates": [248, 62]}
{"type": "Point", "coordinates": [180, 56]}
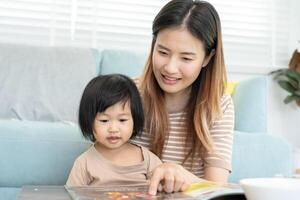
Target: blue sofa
{"type": "Point", "coordinates": [38, 145]}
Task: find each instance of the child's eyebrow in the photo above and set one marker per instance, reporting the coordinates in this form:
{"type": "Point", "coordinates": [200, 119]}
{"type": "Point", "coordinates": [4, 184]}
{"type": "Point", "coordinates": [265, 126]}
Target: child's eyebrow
{"type": "Point", "coordinates": [127, 113]}
{"type": "Point", "coordinates": [106, 114]}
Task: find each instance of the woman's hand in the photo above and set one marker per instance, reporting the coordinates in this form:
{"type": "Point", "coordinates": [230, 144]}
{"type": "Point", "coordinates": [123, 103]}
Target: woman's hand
{"type": "Point", "coordinates": [171, 177]}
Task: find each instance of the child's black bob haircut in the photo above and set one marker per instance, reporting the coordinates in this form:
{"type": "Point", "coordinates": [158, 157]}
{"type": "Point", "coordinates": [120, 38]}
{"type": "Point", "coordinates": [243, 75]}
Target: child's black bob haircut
{"type": "Point", "coordinates": [104, 91]}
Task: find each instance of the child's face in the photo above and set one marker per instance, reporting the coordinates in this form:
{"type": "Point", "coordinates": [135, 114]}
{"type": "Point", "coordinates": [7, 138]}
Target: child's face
{"type": "Point", "coordinates": [177, 58]}
{"type": "Point", "coordinates": [114, 126]}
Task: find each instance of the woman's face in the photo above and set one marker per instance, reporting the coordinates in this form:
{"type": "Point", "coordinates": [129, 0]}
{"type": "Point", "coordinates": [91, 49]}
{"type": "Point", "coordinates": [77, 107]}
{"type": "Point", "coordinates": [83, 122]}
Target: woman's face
{"type": "Point", "coordinates": [177, 59]}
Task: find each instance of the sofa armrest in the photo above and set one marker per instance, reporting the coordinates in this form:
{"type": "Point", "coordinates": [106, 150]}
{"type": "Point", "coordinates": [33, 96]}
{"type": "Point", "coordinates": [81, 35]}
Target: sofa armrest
{"type": "Point", "coordinates": [38, 153]}
{"type": "Point", "coordinates": [260, 155]}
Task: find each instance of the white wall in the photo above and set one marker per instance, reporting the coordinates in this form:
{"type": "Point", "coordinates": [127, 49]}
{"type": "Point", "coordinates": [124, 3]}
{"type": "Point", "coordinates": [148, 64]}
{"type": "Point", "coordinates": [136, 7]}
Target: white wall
{"type": "Point", "coordinates": [294, 26]}
{"type": "Point", "coordinates": [283, 119]}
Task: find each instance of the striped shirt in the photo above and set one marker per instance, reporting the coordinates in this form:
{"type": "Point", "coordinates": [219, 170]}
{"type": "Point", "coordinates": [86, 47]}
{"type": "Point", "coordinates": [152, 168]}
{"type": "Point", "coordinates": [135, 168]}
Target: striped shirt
{"type": "Point", "coordinates": [221, 133]}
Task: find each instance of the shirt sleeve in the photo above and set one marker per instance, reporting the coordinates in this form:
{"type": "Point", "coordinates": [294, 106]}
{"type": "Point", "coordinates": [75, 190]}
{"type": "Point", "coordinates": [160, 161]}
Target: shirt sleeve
{"type": "Point", "coordinates": [152, 161]}
{"type": "Point", "coordinates": [78, 175]}
{"type": "Point", "coordinates": [222, 136]}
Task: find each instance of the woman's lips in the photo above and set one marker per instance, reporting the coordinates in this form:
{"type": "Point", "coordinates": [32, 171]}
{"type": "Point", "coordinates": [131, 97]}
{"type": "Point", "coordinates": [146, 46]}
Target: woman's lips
{"type": "Point", "coordinates": [169, 80]}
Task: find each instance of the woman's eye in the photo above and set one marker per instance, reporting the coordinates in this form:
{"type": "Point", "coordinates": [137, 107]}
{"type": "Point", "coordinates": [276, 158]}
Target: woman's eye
{"type": "Point", "coordinates": [187, 59]}
{"type": "Point", "coordinates": [163, 53]}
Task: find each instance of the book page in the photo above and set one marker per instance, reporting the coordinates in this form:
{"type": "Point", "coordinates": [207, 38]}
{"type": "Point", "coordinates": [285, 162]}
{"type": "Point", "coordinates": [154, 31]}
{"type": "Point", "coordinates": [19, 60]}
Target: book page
{"type": "Point", "coordinates": [208, 190]}
{"type": "Point", "coordinates": [202, 190]}
{"type": "Point", "coordinates": [132, 192]}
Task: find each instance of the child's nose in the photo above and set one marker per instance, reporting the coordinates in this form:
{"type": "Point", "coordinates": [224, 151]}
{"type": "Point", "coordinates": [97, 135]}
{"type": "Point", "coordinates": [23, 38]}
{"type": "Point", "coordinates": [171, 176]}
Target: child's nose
{"type": "Point", "coordinates": [113, 127]}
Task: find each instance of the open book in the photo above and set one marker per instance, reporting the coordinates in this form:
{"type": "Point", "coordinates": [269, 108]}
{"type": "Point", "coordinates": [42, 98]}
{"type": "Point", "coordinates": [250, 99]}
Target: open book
{"type": "Point", "coordinates": [202, 190]}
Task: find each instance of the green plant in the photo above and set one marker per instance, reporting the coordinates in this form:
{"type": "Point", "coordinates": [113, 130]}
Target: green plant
{"type": "Point", "coordinates": [289, 80]}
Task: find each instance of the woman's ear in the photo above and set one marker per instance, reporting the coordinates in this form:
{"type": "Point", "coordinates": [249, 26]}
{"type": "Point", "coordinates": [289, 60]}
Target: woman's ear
{"type": "Point", "coordinates": [207, 58]}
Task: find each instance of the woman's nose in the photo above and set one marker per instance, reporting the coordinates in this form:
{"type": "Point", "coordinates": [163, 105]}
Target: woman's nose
{"type": "Point", "coordinates": [171, 65]}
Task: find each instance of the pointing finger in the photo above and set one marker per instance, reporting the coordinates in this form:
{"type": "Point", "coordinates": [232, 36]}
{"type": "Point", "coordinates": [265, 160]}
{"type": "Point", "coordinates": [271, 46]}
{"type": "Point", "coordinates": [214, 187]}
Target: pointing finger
{"type": "Point", "coordinates": [154, 182]}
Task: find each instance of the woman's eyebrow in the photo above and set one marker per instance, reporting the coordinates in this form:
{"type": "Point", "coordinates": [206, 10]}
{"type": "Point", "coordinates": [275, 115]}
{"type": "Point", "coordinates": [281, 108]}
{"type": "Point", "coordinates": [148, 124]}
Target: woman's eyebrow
{"type": "Point", "coordinates": [184, 52]}
{"type": "Point", "coordinates": [188, 53]}
{"type": "Point", "coordinates": [163, 47]}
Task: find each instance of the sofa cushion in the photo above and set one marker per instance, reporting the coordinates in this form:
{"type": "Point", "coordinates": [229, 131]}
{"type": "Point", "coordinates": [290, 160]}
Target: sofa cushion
{"type": "Point", "coordinates": [129, 63]}
{"type": "Point", "coordinates": [44, 83]}
{"type": "Point", "coordinates": [260, 155]}
{"type": "Point", "coordinates": [38, 153]}
{"type": "Point", "coordinates": [9, 193]}
{"type": "Point", "coordinates": [250, 103]}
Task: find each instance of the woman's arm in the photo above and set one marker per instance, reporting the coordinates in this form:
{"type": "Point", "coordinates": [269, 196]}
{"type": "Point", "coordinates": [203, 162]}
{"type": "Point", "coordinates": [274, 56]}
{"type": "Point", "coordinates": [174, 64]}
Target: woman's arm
{"type": "Point", "coordinates": [216, 174]}
{"type": "Point", "coordinates": [218, 164]}
{"type": "Point", "coordinates": [174, 177]}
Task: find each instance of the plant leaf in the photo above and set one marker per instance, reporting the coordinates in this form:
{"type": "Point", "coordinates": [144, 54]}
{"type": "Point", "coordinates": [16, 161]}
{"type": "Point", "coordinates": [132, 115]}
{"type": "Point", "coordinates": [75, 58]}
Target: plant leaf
{"type": "Point", "coordinates": [293, 82]}
{"type": "Point", "coordinates": [278, 73]}
{"type": "Point", "coordinates": [297, 93]}
{"type": "Point", "coordinates": [287, 86]}
{"type": "Point", "coordinates": [289, 99]}
{"type": "Point", "coordinates": [293, 74]}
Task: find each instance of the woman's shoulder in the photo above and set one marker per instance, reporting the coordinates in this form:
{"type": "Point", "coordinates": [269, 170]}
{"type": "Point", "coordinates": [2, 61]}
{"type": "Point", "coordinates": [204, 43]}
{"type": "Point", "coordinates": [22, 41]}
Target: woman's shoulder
{"type": "Point", "coordinates": [226, 102]}
{"type": "Point", "coordinates": [137, 81]}
{"type": "Point", "coordinates": [226, 98]}
{"type": "Point", "coordinates": [226, 118]}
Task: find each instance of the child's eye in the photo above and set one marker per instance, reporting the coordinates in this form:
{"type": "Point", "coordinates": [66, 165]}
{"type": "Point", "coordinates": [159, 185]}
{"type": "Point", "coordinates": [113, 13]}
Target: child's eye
{"type": "Point", "coordinates": [123, 120]}
{"type": "Point", "coordinates": [103, 120]}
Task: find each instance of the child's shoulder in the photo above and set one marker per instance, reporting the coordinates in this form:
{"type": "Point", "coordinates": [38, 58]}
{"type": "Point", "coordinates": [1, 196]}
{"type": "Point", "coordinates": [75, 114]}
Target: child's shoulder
{"type": "Point", "coordinates": [149, 154]}
{"type": "Point", "coordinates": [145, 151]}
{"type": "Point", "coordinates": [86, 154]}
{"type": "Point", "coordinates": [136, 148]}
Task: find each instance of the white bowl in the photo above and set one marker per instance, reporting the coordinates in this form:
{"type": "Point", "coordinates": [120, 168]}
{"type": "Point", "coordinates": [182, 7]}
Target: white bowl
{"type": "Point", "coordinates": [271, 188]}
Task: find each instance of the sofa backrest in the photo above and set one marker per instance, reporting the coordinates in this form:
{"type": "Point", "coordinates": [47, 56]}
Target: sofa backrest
{"type": "Point", "coordinates": [123, 62]}
{"type": "Point", "coordinates": [250, 103]}
{"type": "Point", "coordinates": [44, 83]}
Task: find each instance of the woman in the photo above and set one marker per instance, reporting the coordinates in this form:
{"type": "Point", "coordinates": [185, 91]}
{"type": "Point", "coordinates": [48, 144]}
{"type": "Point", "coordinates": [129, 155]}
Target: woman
{"type": "Point", "coordinates": [189, 119]}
